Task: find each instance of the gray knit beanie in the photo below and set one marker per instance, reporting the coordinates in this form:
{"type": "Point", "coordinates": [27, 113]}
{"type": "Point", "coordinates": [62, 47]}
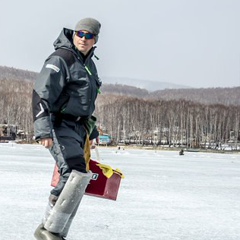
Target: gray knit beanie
{"type": "Point", "coordinates": [89, 24]}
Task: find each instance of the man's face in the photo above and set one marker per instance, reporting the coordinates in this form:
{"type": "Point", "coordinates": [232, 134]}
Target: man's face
{"type": "Point", "coordinates": [82, 43]}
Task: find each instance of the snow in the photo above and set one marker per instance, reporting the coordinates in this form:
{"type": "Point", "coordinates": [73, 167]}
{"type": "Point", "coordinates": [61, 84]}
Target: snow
{"type": "Point", "coordinates": [164, 196]}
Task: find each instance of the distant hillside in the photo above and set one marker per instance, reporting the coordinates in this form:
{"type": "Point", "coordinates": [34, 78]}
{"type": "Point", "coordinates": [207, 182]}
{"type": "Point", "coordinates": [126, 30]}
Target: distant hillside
{"type": "Point", "coordinates": [19, 74]}
{"type": "Point", "coordinates": [16, 74]}
{"type": "Point", "coordinates": [125, 90]}
{"type": "Point", "coordinates": [225, 96]}
{"type": "Point", "coordinates": [143, 84]}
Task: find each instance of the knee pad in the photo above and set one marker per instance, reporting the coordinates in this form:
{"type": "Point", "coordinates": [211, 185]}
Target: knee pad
{"type": "Point", "coordinates": [67, 202]}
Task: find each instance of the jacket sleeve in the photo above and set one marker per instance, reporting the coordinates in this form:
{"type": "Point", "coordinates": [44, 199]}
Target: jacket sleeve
{"type": "Point", "coordinates": [47, 89]}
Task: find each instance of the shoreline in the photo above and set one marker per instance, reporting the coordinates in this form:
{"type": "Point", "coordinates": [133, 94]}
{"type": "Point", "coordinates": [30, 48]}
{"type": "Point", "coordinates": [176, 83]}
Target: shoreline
{"type": "Point", "coordinates": [153, 148]}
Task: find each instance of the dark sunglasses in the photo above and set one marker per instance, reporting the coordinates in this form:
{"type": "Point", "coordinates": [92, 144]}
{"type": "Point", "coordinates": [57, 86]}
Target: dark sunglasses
{"type": "Point", "coordinates": [82, 34]}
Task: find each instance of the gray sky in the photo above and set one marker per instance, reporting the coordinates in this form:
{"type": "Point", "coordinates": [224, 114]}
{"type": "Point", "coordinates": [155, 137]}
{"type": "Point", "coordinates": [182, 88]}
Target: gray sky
{"type": "Point", "coordinates": [189, 42]}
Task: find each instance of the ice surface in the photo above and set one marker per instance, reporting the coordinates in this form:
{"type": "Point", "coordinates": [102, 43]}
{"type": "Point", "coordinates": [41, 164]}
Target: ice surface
{"type": "Point", "coordinates": [164, 196]}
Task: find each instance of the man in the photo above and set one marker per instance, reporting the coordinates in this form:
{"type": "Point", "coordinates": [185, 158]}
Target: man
{"type": "Point", "coordinates": [63, 103]}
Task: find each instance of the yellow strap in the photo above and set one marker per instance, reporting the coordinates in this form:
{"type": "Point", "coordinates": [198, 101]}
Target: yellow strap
{"type": "Point", "coordinates": [118, 171]}
{"type": "Point", "coordinates": [87, 152]}
{"type": "Point", "coordinates": [108, 171]}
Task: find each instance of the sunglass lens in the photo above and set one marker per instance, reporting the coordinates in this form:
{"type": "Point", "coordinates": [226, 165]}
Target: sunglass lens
{"type": "Point", "coordinates": [80, 34]}
{"type": "Point", "coordinates": [86, 35]}
{"type": "Point", "coordinates": [89, 35]}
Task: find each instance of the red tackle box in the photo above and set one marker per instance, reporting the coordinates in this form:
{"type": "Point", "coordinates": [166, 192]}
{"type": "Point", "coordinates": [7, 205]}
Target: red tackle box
{"type": "Point", "coordinates": [100, 185]}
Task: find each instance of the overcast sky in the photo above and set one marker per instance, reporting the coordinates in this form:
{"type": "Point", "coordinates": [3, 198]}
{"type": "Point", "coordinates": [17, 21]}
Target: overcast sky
{"type": "Point", "coordinates": [188, 42]}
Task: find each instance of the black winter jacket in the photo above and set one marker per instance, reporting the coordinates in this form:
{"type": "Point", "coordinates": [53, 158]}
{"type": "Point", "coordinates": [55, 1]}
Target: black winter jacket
{"type": "Point", "coordinates": [68, 84]}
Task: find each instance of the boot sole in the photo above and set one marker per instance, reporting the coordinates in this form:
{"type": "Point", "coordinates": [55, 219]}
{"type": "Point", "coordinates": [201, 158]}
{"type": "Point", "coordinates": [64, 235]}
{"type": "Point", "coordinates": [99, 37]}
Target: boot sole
{"type": "Point", "coordinates": [42, 234]}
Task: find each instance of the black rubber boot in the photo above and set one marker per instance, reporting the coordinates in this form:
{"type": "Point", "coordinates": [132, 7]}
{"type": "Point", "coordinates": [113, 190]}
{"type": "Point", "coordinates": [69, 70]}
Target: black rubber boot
{"type": "Point", "coordinates": [42, 234]}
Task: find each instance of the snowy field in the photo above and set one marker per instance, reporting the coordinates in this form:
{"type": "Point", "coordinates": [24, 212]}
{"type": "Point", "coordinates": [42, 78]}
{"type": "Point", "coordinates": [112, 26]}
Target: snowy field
{"type": "Point", "coordinates": [164, 196]}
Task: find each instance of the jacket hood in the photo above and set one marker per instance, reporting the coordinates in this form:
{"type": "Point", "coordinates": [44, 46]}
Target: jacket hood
{"type": "Point", "coordinates": [65, 39]}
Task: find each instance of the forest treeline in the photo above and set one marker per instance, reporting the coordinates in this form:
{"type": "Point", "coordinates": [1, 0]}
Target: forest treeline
{"type": "Point", "coordinates": [140, 119]}
{"type": "Point", "coordinates": [173, 122]}
{"type": "Point", "coordinates": [16, 104]}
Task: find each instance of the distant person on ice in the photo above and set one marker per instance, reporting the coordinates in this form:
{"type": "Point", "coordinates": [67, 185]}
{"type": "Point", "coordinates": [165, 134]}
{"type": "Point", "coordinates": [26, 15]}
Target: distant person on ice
{"type": "Point", "coordinates": [181, 152]}
{"type": "Point", "coordinates": [63, 103]}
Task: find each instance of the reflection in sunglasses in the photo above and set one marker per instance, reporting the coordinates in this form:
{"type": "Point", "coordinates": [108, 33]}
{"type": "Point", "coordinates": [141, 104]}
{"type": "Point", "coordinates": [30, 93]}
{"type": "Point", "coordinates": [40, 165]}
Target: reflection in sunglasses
{"type": "Point", "coordinates": [82, 34]}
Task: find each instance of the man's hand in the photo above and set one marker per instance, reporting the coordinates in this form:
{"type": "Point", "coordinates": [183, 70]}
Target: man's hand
{"type": "Point", "coordinates": [46, 142]}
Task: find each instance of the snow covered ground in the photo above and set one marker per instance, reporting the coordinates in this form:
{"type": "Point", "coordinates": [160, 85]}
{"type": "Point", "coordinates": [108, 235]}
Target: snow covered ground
{"type": "Point", "coordinates": [164, 196]}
